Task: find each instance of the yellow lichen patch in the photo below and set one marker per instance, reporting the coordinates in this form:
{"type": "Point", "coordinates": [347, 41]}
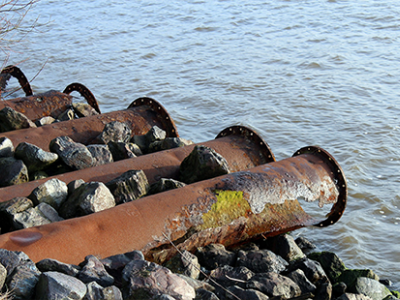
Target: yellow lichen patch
{"type": "Point", "coordinates": [230, 205]}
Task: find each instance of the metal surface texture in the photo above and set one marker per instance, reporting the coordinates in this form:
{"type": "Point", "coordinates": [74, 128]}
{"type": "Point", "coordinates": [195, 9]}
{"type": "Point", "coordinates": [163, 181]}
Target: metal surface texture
{"type": "Point", "coordinates": [230, 209]}
{"type": "Point", "coordinates": [237, 148]}
{"type": "Point", "coordinates": [140, 117]}
{"type": "Point", "coordinates": [85, 93]}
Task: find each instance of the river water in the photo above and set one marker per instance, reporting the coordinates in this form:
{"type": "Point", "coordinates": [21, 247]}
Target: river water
{"type": "Point", "coordinates": [300, 73]}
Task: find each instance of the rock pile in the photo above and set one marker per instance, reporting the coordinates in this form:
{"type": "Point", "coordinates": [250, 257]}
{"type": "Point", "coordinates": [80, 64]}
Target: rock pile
{"type": "Point", "coordinates": [275, 268]}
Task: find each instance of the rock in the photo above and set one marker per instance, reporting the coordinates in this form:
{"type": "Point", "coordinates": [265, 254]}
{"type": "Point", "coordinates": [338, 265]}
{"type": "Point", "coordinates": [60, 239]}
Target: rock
{"type": "Point", "coordinates": [3, 276]}
{"type": "Point", "coordinates": [338, 289]}
{"type": "Point", "coordinates": [144, 141]}
{"type": "Point", "coordinates": [97, 292]}
{"type": "Point", "coordinates": [214, 255]}
{"type": "Point", "coordinates": [114, 131]}
{"type": "Point", "coordinates": [324, 291]}
{"type": "Point", "coordinates": [53, 265]}
{"type": "Point", "coordinates": [6, 147]}
{"type": "Point", "coordinates": [285, 246]}
{"type": "Point", "coordinates": [88, 198]}
{"type": "Point", "coordinates": [66, 115]}
{"type": "Point", "coordinates": [304, 244]}
{"type": "Point", "coordinates": [261, 261]}
{"type": "Point", "coordinates": [74, 155]}
{"type": "Point", "coordinates": [301, 280]}
{"type": "Point", "coordinates": [350, 296]}
{"type": "Point", "coordinates": [22, 281]}
{"type": "Point", "coordinates": [13, 120]}
{"type": "Point", "coordinates": [49, 212]}
{"type": "Point", "coordinates": [53, 192]}
{"type": "Point", "coordinates": [202, 294]}
{"type": "Point", "coordinates": [45, 121]}
{"type": "Point", "coordinates": [84, 110]}
{"type": "Point", "coordinates": [350, 276]}
{"type": "Point", "coordinates": [168, 143]}
{"type": "Point", "coordinates": [38, 175]}
{"type": "Point", "coordinates": [39, 215]}
{"type": "Point", "coordinates": [197, 284]}
{"type": "Point", "coordinates": [122, 151]}
{"type": "Point", "coordinates": [13, 171]}
{"type": "Point", "coordinates": [111, 293]}
{"type": "Point", "coordinates": [202, 163]}
{"type": "Point", "coordinates": [54, 285]}
{"type": "Point", "coordinates": [11, 207]}
{"type": "Point", "coordinates": [371, 288]}
{"type": "Point", "coordinates": [101, 154]}
{"type": "Point", "coordinates": [273, 284]}
{"type": "Point", "coordinates": [311, 268]}
{"type": "Point", "coordinates": [235, 292]}
{"type": "Point", "coordinates": [94, 270]}
{"type": "Point", "coordinates": [227, 276]}
{"type": "Point", "coordinates": [130, 186]}
{"type": "Point", "coordinates": [10, 259]}
{"type": "Point", "coordinates": [164, 184]}
{"type": "Point", "coordinates": [143, 280]}
{"type": "Point", "coordinates": [330, 262]}
{"type": "Point", "coordinates": [73, 185]}
{"type": "Point", "coordinates": [185, 263]}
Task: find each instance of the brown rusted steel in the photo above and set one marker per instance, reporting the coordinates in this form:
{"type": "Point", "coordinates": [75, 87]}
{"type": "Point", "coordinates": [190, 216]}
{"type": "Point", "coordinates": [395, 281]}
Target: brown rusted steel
{"type": "Point", "coordinates": [85, 93]}
{"type": "Point", "coordinates": [141, 115]}
{"type": "Point", "coordinates": [16, 72]}
{"type": "Point", "coordinates": [259, 202]}
{"type": "Point", "coordinates": [242, 147]}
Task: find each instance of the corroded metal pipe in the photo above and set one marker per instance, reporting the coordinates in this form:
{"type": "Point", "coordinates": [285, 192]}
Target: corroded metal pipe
{"type": "Point", "coordinates": [242, 147]}
{"type": "Point", "coordinates": [262, 201]}
{"type": "Point", "coordinates": [141, 115]}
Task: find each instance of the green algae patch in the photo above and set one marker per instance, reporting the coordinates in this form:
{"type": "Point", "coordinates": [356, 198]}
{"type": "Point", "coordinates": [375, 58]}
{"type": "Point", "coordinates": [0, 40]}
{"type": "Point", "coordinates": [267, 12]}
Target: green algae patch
{"type": "Point", "coordinates": [230, 206]}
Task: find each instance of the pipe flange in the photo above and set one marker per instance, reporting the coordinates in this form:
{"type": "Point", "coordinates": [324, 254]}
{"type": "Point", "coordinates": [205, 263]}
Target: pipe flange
{"type": "Point", "coordinates": [161, 113]}
{"type": "Point", "coordinates": [251, 135]}
{"type": "Point", "coordinates": [340, 180]}
{"type": "Point", "coordinates": [18, 74]}
{"type": "Point", "coordinates": [85, 92]}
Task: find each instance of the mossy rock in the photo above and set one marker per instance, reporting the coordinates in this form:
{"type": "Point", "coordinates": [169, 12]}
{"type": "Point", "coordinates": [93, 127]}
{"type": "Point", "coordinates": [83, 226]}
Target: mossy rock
{"type": "Point", "coordinates": [349, 277]}
{"type": "Point", "coordinates": [331, 263]}
{"type": "Point", "coordinates": [396, 294]}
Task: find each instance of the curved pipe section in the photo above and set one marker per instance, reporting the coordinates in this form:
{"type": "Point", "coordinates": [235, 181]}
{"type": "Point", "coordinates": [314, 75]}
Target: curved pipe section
{"type": "Point", "coordinates": [85, 93]}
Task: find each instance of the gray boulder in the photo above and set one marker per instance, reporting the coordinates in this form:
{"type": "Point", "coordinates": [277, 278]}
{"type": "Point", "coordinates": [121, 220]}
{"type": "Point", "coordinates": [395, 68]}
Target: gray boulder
{"type": "Point", "coordinates": [22, 281]}
{"type": "Point", "coordinates": [214, 255]}
{"type": "Point", "coordinates": [304, 244]}
{"type": "Point", "coordinates": [45, 121]}
{"type": "Point", "coordinates": [34, 158]}
{"type": "Point", "coordinates": [330, 262]}
{"type": "Point", "coordinates": [371, 288]}
{"type": "Point", "coordinates": [122, 151]}
{"type": "Point", "coordinates": [114, 131]}
{"type": "Point", "coordinates": [301, 280]}
{"type": "Point", "coordinates": [53, 265]}
{"type": "Point", "coordinates": [96, 292]}
{"type": "Point", "coordinates": [130, 186]}
{"type": "Point", "coordinates": [143, 280]}
{"type": "Point", "coordinates": [89, 198]}
{"type": "Point", "coordinates": [84, 110]}
{"type": "Point", "coordinates": [144, 141]}
{"type": "Point", "coordinates": [13, 120]}
{"type": "Point", "coordinates": [55, 285]}
{"type": "Point", "coordinates": [235, 292]}
{"type": "Point", "coordinates": [53, 192]}
{"type": "Point", "coordinates": [324, 291]}
{"type": "Point", "coordinates": [202, 163]}
{"type": "Point", "coordinates": [35, 216]}
{"type": "Point", "coordinates": [311, 268]}
{"type": "Point", "coordinates": [73, 185]}
{"type": "Point", "coordinates": [10, 208]}
{"type": "Point", "coordinates": [273, 284]}
{"type": "Point", "coordinates": [168, 143]}
{"type": "Point", "coordinates": [13, 171]}
{"type": "Point", "coordinates": [74, 155]}
{"type": "Point", "coordinates": [6, 147]}
{"type": "Point", "coordinates": [10, 259]}
{"type": "Point", "coordinates": [165, 184]}
{"type": "Point", "coordinates": [101, 154]}
{"type": "Point", "coordinates": [285, 246]}
{"type": "Point", "coordinates": [94, 270]}
{"type": "Point", "coordinates": [261, 261]}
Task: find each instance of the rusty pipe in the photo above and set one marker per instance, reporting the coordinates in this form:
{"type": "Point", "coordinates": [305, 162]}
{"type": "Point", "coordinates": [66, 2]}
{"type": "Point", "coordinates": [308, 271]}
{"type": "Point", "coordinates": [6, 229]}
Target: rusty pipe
{"type": "Point", "coordinates": [141, 115]}
{"type": "Point", "coordinates": [262, 201]}
{"type": "Point", "coordinates": [16, 72]}
{"type": "Point", "coordinates": [242, 147]}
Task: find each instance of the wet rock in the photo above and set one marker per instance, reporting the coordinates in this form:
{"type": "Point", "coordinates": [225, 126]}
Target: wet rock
{"type": "Point", "coordinates": [214, 255]}
{"type": "Point", "coordinates": [350, 276]}
{"type": "Point", "coordinates": [164, 184]}
{"type": "Point", "coordinates": [74, 155]}
{"type": "Point", "coordinates": [168, 143]}
{"type": "Point", "coordinates": [261, 261]}
{"type": "Point", "coordinates": [122, 151]}
{"type": "Point", "coordinates": [101, 154]}
{"type": "Point", "coordinates": [330, 262]}
{"type": "Point", "coordinates": [285, 246]}
{"type": "Point", "coordinates": [13, 120]}
{"type": "Point", "coordinates": [45, 121]}
{"type": "Point", "coordinates": [273, 284]}
{"type": "Point", "coordinates": [311, 268]}
{"type": "Point", "coordinates": [114, 131]}
{"type": "Point", "coordinates": [350, 296]}
{"type": "Point", "coordinates": [143, 280]}
{"type": "Point", "coordinates": [227, 276]}
{"type": "Point", "coordinates": [202, 294]}
{"type": "Point", "coordinates": [53, 265]}
{"type": "Point", "coordinates": [66, 115]}
{"type": "Point", "coordinates": [53, 192]}
{"type": "Point", "coordinates": [3, 276]}
{"type": "Point", "coordinates": [301, 280]}
{"type": "Point", "coordinates": [54, 285]}
{"type": "Point", "coordinates": [130, 186]}
{"type": "Point", "coordinates": [84, 110]}
{"type": "Point", "coordinates": [202, 163]}
{"type": "Point", "coordinates": [237, 292]}
{"type": "Point", "coordinates": [6, 147]}
{"type": "Point", "coordinates": [13, 171]}
{"type": "Point", "coordinates": [73, 185]}
{"type": "Point", "coordinates": [185, 263]}
{"type": "Point", "coordinates": [22, 281]}
{"type": "Point", "coordinates": [39, 215]}
{"type": "Point", "coordinates": [94, 270]}
{"type": "Point", "coordinates": [89, 198]}
{"type": "Point", "coordinates": [371, 288]}
{"type": "Point", "coordinates": [324, 291]}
